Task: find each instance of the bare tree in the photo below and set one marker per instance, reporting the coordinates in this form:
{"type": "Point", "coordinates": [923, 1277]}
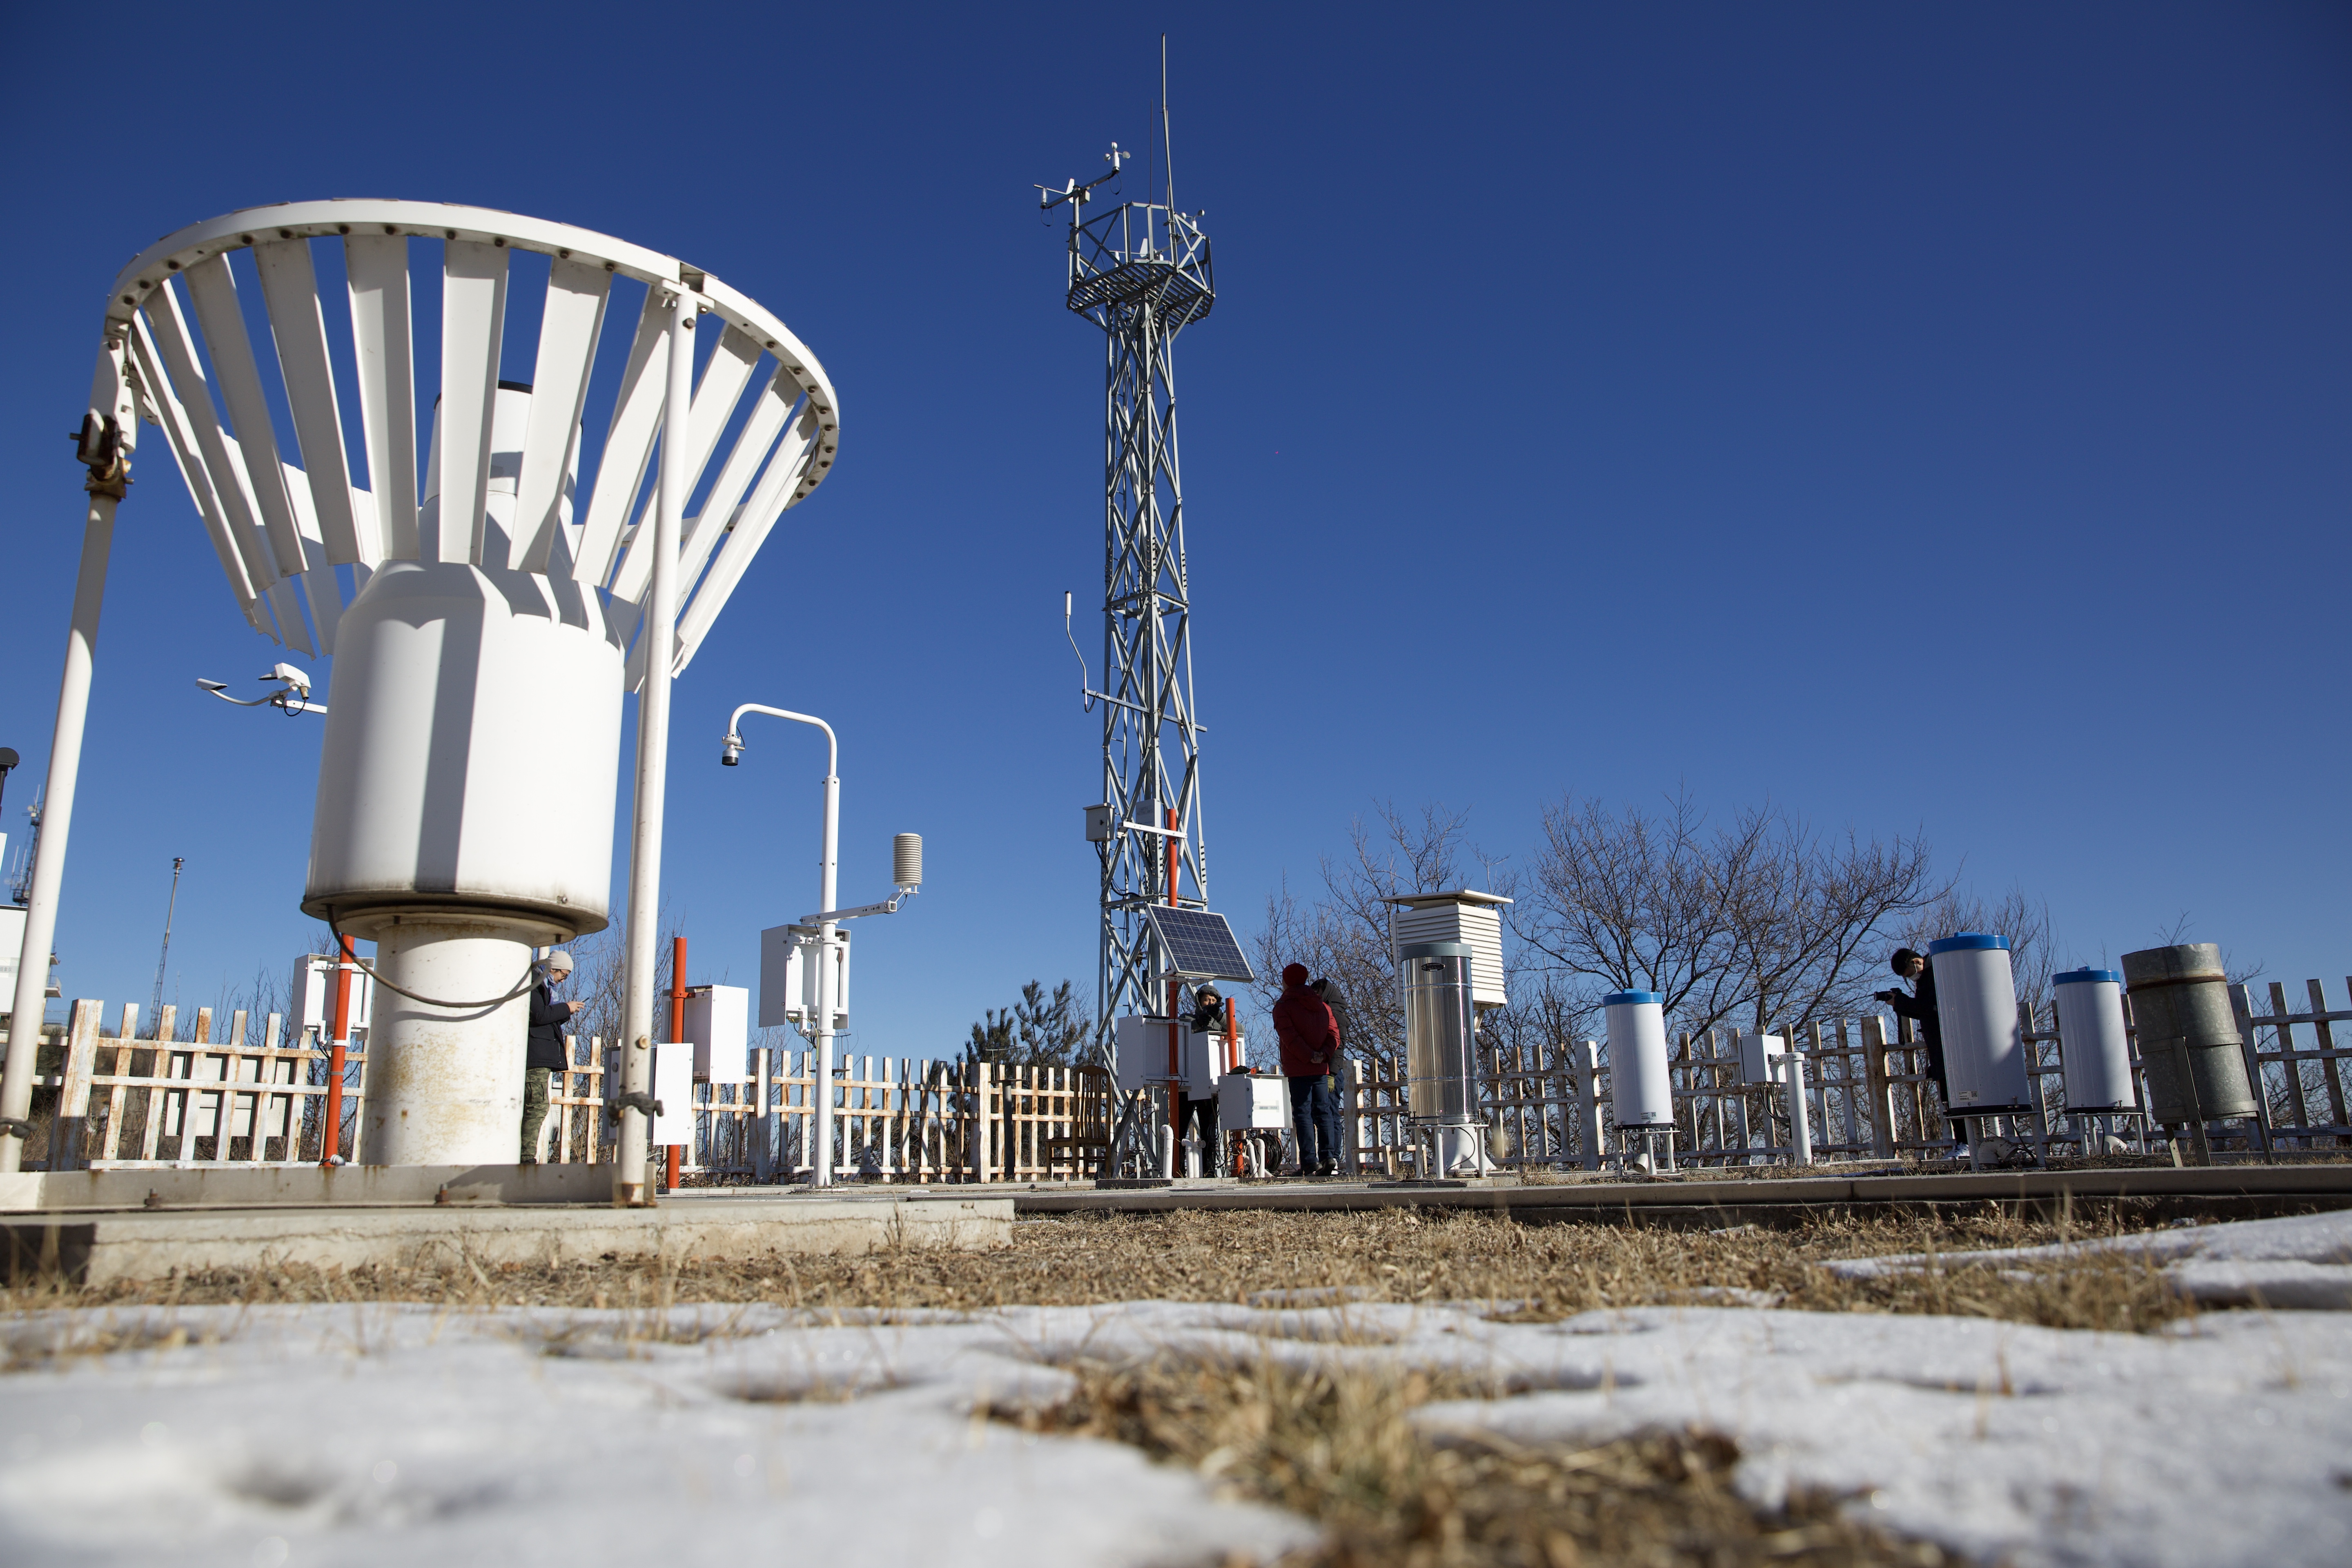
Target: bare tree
{"type": "Point", "coordinates": [1763, 919]}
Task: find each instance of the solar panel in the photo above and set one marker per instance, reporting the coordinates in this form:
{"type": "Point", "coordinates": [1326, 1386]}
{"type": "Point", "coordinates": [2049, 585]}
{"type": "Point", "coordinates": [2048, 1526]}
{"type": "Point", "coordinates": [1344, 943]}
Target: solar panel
{"type": "Point", "coordinates": [1200, 945]}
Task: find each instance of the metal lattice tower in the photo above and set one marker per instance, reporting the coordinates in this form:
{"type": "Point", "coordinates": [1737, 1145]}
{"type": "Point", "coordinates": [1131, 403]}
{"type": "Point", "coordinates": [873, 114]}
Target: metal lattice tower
{"type": "Point", "coordinates": [1140, 272]}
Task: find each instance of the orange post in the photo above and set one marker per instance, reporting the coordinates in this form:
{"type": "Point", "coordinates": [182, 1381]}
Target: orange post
{"type": "Point", "coordinates": [330, 1133]}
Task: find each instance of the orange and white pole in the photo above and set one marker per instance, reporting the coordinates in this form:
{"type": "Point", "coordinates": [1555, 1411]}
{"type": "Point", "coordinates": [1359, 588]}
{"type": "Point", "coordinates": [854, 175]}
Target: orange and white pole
{"type": "Point", "coordinates": [330, 1133]}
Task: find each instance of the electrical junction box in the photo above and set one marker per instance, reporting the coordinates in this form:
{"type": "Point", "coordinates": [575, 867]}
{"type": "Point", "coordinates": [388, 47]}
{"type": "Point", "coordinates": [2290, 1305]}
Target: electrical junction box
{"type": "Point", "coordinates": [1466, 916]}
{"type": "Point", "coordinates": [1251, 1102]}
{"type": "Point", "coordinates": [1102, 824]}
{"type": "Point", "coordinates": [674, 1089]}
{"type": "Point", "coordinates": [314, 994]}
{"type": "Point", "coordinates": [1203, 1056]}
{"type": "Point", "coordinates": [718, 1025]}
{"type": "Point", "coordinates": [12, 941]}
{"type": "Point", "coordinates": [1761, 1056]}
{"type": "Point", "coordinates": [788, 977]}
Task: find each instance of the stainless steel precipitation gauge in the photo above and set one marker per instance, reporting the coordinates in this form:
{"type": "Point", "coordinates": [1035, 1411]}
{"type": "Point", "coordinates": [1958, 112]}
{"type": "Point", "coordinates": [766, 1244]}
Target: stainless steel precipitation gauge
{"type": "Point", "coordinates": [490, 566]}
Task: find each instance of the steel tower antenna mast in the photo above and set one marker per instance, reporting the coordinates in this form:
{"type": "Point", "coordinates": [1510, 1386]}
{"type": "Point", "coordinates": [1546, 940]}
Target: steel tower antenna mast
{"type": "Point", "coordinates": [1141, 271]}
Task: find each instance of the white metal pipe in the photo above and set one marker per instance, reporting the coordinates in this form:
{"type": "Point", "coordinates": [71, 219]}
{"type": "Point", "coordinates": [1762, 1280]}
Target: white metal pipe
{"type": "Point", "coordinates": [660, 633]}
{"type": "Point", "coordinates": [57, 820]}
{"type": "Point", "coordinates": [1801, 1122]}
{"type": "Point", "coordinates": [828, 869]}
{"type": "Point", "coordinates": [109, 396]}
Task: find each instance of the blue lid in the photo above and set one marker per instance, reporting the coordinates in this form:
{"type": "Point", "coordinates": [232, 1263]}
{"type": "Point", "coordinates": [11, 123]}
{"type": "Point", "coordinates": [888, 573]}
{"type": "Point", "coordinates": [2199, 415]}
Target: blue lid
{"type": "Point", "coordinates": [2087, 977]}
{"type": "Point", "coordinates": [1629, 998]}
{"type": "Point", "coordinates": [1968, 941]}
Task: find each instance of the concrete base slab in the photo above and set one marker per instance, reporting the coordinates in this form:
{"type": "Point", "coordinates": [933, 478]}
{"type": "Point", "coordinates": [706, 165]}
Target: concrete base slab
{"type": "Point", "coordinates": [102, 1248]}
{"type": "Point", "coordinates": [304, 1185]}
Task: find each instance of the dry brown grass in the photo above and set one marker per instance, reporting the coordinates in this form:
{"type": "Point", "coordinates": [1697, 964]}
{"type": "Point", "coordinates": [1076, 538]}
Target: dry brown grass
{"type": "Point", "coordinates": [1530, 1271]}
{"type": "Point", "coordinates": [1337, 1444]}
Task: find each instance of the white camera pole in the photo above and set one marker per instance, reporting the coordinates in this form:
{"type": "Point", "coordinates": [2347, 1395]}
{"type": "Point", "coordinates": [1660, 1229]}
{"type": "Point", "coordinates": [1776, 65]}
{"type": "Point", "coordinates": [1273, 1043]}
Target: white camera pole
{"type": "Point", "coordinates": [828, 878]}
{"type": "Point", "coordinates": [630, 1188]}
{"type": "Point", "coordinates": [108, 433]}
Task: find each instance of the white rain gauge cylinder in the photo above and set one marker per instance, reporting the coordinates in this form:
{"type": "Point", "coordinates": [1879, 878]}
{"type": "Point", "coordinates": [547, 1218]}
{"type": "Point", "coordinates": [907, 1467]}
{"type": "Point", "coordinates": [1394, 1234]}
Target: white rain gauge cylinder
{"type": "Point", "coordinates": [1640, 1089]}
{"type": "Point", "coordinates": [2092, 1043]}
{"type": "Point", "coordinates": [490, 627]}
{"type": "Point", "coordinates": [1976, 1002]}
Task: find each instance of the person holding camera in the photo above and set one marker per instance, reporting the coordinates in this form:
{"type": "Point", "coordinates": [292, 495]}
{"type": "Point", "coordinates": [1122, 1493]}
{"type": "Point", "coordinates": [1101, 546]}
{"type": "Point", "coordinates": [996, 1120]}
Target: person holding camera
{"type": "Point", "coordinates": [545, 1055]}
{"type": "Point", "coordinates": [1919, 1004]}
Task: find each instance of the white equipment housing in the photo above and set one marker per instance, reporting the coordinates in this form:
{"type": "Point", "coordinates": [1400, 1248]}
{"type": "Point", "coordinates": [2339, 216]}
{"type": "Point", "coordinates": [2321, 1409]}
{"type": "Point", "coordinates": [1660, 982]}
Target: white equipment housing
{"type": "Point", "coordinates": [1976, 1003]}
{"type": "Point", "coordinates": [1465, 916]}
{"type": "Point", "coordinates": [2093, 1041]}
{"type": "Point", "coordinates": [673, 1079]}
{"type": "Point", "coordinates": [1204, 1055]}
{"type": "Point", "coordinates": [1761, 1056]}
{"type": "Point", "coordinates": [467, 782]}
{"type": "Point", "coordinates": [1252, 1102]}
{"type": "Point", "coordinates": [1641, 1088]}
{"type": "Point", "coordinates": [12, 942]}
{"type": "Point", "coordinates": [314, 994]}
{"type": "Point", "coordinates": [718, 1024]}
{"type": "Point", "coordinates": [787, 970]}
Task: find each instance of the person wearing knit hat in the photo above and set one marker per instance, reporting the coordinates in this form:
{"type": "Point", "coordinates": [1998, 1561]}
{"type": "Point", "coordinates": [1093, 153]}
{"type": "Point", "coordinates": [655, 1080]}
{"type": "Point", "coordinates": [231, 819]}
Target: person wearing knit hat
{"type": "Point", "coordinates": [1310, 1050]}
{"type": "Point", "coordinates": [546, 1055]}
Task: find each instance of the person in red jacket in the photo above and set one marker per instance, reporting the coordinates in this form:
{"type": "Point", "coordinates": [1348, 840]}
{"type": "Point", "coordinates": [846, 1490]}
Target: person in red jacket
{"type": "Point", "coordinates": [1310, 1054]}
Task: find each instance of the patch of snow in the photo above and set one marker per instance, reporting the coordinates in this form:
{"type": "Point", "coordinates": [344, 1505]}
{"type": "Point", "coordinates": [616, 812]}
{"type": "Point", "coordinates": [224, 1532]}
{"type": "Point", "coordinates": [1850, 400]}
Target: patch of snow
{"type": "Point", "coordinates": [397, 1435]}
{"type": "Point", "coordinates": [2302, 1262]}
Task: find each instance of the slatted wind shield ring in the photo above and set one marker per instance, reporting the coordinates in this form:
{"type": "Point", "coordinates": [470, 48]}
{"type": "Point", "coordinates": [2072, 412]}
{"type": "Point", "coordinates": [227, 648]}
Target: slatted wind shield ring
{"type": "Point", "coordinates": [306, 362]}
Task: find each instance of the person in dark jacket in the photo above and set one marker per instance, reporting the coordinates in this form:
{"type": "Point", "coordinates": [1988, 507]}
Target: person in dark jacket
{"type": "Point", "coordinates": [1310, 1050]}
{"type": "Point", "coordinates": [546, 1056]}
{"type": "Point", "coordinates": [1919, 1004]}
{"type": "Point", "coordinates": [1200, 1115]}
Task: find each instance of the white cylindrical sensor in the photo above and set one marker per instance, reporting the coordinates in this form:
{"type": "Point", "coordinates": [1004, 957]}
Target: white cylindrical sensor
{"type": "Point", "coordinates": [1640, 1086]}
{"type": "Point", "coordinates": [907, 860]}
{"type": "Point", "coordinates": [466, 785]}
{"type": "Point", "coordinates": [2092, 1041]}
{"type": "Point", "coordinates": [1975, 1005]}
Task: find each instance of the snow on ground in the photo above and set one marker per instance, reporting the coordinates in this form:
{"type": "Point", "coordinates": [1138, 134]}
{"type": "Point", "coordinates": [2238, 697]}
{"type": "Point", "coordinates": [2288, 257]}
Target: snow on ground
{"type": "Point", "coordinates": [2300, 1263]}
{"type": "Point", "coordinates": [364, 1435]}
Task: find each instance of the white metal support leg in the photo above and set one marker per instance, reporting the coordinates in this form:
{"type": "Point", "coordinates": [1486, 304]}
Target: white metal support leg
{"type": "Point", "coordinates": [659, 633]}
{"type": "Point", "coordinates": [109, 396]}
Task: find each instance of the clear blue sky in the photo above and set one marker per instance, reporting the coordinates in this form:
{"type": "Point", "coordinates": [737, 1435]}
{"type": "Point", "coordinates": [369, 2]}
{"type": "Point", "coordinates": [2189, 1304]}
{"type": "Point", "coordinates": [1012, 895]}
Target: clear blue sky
{"type": "Point", "coordinates": [1935, 418]}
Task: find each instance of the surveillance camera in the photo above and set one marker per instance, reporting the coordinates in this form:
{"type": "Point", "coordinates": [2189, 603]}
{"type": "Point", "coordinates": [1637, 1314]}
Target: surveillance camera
{"type": "Point", "coordinates": [725, 759]}
{"type": "Point", "coordinates": [730, 750]}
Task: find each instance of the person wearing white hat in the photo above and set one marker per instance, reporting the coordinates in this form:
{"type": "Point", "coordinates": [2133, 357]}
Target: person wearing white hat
{"type": "Point", "coordinates": [546, 1055]}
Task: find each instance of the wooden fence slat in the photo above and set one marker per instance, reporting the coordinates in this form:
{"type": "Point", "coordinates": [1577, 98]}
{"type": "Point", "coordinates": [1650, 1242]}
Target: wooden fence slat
{"type": "Point", "coordinates": [2324, 1033]}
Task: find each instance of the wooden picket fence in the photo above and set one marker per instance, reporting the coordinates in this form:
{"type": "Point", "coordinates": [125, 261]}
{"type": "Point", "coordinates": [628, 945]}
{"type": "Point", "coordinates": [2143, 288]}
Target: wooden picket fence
{"type": "Point", "coordinates": [126, 1100]}
{"type": "Point", "coordinates": [906, 1119]}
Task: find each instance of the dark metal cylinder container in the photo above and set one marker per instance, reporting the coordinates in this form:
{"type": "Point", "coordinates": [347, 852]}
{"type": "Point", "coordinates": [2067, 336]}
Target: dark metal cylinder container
{"type": "Point", "coordinates": [2180, 1004]}
{"type": "Point", "coordinates": [1440, 1033]}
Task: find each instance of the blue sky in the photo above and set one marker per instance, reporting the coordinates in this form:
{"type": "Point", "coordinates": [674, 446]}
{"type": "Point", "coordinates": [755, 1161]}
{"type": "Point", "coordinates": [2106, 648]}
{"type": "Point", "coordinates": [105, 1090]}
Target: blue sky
{"type": "Point", "coordinates": [1929, 417]}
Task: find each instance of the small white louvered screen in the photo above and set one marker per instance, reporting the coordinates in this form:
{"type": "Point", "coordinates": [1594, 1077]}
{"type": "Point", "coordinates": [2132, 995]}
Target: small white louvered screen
{"type": "Point", "coordinates": [1478, 925]}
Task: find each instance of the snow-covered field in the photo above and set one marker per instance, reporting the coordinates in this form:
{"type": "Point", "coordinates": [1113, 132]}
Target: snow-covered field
{"type": "Point", "coordinates": [405, 1433]}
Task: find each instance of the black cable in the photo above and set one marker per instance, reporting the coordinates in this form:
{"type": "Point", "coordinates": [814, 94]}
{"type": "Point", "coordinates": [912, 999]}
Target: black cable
{"type": "Point", "coordinates": [361, 965]}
